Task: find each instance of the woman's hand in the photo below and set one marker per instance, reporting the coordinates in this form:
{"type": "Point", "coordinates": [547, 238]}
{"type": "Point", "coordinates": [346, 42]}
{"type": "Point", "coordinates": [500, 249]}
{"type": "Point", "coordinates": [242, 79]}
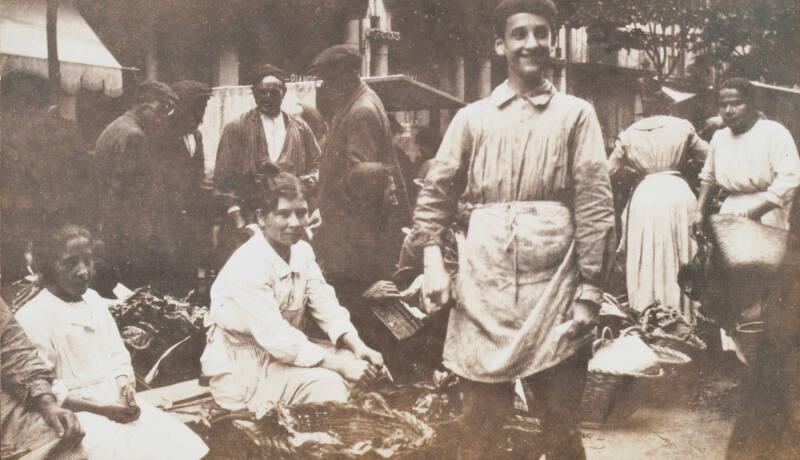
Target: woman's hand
{"type": "Point", "coordinates": [354, 343]}
{"type": "Point", "coordinates": [436, 284]}
{"type": "Point", "coordinates": [697, 223]}
{"type": "Point", "coordinates": [121, 413]}
{"type": "Point", "coordinates": [127, 392]}
{"type": "Point", "coordinates": [382, 290]}
{"type": "Point", "coordinates": [351, 369]}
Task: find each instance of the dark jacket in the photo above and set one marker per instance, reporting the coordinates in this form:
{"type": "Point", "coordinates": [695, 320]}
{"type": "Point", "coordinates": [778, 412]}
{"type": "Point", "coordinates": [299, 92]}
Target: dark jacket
{"type": "Point", "coordinates": [243, 145]}
{"type": "Point", "coordinates": [348, 246]}
{"type": "Point", "coordinates": [24, 377]}
{"type": "Point", "coordinates": [129, 181]}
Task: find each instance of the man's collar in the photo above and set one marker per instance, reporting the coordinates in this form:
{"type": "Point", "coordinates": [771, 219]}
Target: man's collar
{"type": "Point", "coordinates": [503, 94]}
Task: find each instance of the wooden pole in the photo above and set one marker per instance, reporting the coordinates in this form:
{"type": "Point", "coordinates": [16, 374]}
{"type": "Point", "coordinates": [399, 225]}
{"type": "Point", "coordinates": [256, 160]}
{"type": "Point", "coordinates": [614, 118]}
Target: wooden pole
{"type": "Point", "coordinates": [53, 65]}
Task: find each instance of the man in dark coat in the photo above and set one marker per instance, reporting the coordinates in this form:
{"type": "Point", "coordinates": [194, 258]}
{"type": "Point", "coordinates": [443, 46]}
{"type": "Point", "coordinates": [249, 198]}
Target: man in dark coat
{"type": "Point", "coordinates": [32, 424]}
{"type": "Point", "coordinates": [356, 253]}
{"type": "Point", "coordinates": [184, 226]}
{"type": "Point", "coordinates": [129, 186]}
{"type": "Point", "coordinates": [265, 133]}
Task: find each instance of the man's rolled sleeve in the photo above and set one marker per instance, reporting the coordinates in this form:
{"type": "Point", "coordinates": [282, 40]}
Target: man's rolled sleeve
{"type": "Point", "coordinates": [438, 200]}
{"type": "Point", "coordinates": [593, 205]}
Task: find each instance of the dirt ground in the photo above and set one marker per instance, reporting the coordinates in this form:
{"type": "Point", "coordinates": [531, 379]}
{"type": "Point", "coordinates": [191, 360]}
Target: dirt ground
{"type": "Point", "coordinates": [688, 415]}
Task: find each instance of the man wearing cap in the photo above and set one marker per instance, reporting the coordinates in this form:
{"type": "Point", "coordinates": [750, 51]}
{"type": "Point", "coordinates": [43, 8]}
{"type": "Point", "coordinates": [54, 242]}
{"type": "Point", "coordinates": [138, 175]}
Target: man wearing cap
{"type": "Point", "coordinates": [265, 133]}
{"type": "Point", "coordinates": [186, 213]}
{"type": "Point", "coordinates": [531, 163]}
{"type": "Point", "coordinates": [356, 253]}
{"type": "Point", "coordinates": [129, 184]}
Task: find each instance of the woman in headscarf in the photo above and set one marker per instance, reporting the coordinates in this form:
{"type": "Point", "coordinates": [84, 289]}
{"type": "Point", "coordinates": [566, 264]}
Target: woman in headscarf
{"type": "Point", "coordinates": [78, 339]}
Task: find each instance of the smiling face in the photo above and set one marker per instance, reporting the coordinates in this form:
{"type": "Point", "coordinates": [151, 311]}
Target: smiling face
{"type": "Point", "coordinates": [286, 225]}
{"type": "Point", "coordinates": [268, 94]}
{"type": "Point", "coordinates": [736, 112]}
{"type": "Point", "coordinates": [73, 270]}
{"type": "Point", "coordinates": [526, 46]}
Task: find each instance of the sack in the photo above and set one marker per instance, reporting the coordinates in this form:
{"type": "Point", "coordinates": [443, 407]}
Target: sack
{"type": "Point", "coordinates": [627, 355]}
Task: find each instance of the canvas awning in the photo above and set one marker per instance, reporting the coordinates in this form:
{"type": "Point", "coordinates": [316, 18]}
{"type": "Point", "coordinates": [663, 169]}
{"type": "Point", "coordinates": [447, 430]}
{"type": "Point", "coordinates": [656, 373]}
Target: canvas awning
{"type": "Point", "coordinates": [677, 96]}
{"type": "Point", "coordinates": [400, 92]}
{"type": "Point", "coordinates": [85, 61]}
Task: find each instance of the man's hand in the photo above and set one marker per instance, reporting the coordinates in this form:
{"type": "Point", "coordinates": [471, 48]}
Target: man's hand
{"type": "Point", "coordinates": [61, 420]}
{"type": "Point", "coordinates": [382, 290]}
{"type": "Point", "coordinates": [436, 284]}
{"type": "Point", "coordinates": [585, 315]}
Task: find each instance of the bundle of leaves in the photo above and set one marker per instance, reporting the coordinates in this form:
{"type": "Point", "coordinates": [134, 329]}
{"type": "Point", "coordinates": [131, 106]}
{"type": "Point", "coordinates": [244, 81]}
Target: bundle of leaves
{"type": "Point", "coordinates": [161, 329]}
{"type": "Point", "coordinates": [365, 427]}
{"type": "Point", "coordinates": [666, 323]}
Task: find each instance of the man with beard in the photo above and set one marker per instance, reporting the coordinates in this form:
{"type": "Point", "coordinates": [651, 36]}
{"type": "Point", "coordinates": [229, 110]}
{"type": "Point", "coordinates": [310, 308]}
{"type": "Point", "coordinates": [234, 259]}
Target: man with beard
{"type": "Point", "coordinates": [129, 186]}
{"type": "Point", "coordinates": [265, 133]}
{"type": "Point", "coordinates": [363, 201]}
{"type": "Point", "coordinates": [531, 163]}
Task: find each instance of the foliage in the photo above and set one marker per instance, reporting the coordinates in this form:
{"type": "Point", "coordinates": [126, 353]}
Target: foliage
{"type": "Point", "coordinates": [757, 39]}
{"type": "Point", "coordinates": [663, 29]}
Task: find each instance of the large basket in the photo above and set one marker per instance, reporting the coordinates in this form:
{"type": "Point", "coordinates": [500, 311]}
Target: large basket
{"type": "Point", "coordinates": [734, 239]}
{"type": "Point", "coordinates": [599, 396]}
{"type": "Point", "coordinates": [748, 338]}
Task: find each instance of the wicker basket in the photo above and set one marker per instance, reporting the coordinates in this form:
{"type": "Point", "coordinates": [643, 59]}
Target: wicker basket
{"type": "Point", "coordinates": [599, 396]}
{"type": "Point", "coordinates": [748, 339]}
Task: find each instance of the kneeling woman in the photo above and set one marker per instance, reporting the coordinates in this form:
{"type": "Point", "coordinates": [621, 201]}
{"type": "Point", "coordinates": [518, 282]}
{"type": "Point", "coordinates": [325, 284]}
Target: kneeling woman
{"type": "Point", "coordinates": [76, 335]}
{"type": "Point", "coordinates": [257, 353]}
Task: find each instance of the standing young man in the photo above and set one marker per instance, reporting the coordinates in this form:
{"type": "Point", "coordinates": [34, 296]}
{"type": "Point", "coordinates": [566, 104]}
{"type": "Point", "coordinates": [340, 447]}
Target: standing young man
{"type": "Point", "coordinates": [532, 164]}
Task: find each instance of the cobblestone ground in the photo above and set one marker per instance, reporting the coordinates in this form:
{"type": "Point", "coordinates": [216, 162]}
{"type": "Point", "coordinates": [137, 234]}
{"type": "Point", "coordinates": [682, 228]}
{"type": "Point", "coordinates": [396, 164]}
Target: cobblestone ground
{"type": "Point", "coordinates": [684, 416]}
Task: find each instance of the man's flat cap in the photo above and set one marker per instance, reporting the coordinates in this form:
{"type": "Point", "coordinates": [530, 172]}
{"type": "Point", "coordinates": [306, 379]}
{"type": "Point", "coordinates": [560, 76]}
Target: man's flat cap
{"type": "Point", "coordinates": [190, 90]}
{"type": "Point", "coordinates": [151, 90]}
{"type": "Point", "coordinates": [337, 57]}
{"type": "Point", "coordinates": [267, 70]}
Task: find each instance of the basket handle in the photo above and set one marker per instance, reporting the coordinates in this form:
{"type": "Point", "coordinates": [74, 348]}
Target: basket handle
{"type": "Point", "coordinates": [602, 339]}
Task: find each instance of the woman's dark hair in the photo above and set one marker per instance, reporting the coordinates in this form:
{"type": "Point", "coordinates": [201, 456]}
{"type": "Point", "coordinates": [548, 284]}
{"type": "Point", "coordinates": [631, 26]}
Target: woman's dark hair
{"type": "Point", "coordinates": [270, 184]}
{"type": "Point", "coordinates": [507, 8]}
{"type": "Point", "coordinates": [745, 88]}
{"type": "Point", "coordinates": [49, 248]}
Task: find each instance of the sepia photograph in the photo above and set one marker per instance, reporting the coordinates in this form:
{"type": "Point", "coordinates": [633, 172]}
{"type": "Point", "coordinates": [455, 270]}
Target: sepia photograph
{"type": "Point", "coordinates": [399, 229]}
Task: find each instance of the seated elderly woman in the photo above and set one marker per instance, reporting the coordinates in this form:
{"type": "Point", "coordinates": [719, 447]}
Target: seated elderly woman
{"type": "Point", "coordinates": [77, 338]}
{"type": "Point", "coordinates": [257, 354]}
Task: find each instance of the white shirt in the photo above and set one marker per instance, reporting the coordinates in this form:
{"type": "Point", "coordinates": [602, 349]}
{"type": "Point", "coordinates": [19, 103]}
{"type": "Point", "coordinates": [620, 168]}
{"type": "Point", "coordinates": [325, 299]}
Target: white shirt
{"type": "Point", "coordinates": [257, 295]}
{"type": "Point", "coordinates": [275, 133]}
{"type": "Point", "coordinates": [191, 144]}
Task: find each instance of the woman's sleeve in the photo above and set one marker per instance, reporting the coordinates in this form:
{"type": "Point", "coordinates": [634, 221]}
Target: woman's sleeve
{"type": "Point", "coordinates": [324, 306]}
{"type": "Point", "coordinates": [284, 342]}
{"type": "Point", "coordinates": [708, 173]}
{"type": "Point", "coordinates": [786, 167]}
{"type": "Point", "coordinates": [38, 334]}
{"type": "Point", "coordinates": [119, 356]}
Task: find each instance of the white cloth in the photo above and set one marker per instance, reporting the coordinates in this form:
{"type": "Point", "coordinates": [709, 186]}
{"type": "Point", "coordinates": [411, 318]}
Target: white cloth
{"type": "Point", "coordinates": [191, 144]}
{"type": "Point", "coordinates": [516, 284]}
{"type": "Point", "coordinates": [760, 163]}
{"type": "Point", "coordinates": [259, 305]}
{"type": "Point", "coordinates": [658, 242]}
{"type": "Point", "coordinates": [82, 344]}
{"type": "Point", "coordinates": [275, 133]}
{"type": "Point", "coordinates": [656, 221]}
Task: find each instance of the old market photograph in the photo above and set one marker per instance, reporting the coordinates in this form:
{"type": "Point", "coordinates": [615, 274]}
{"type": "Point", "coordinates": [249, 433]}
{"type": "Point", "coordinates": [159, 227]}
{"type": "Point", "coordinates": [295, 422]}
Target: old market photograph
{"type": "Point", "coordinates": [399, 229]}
